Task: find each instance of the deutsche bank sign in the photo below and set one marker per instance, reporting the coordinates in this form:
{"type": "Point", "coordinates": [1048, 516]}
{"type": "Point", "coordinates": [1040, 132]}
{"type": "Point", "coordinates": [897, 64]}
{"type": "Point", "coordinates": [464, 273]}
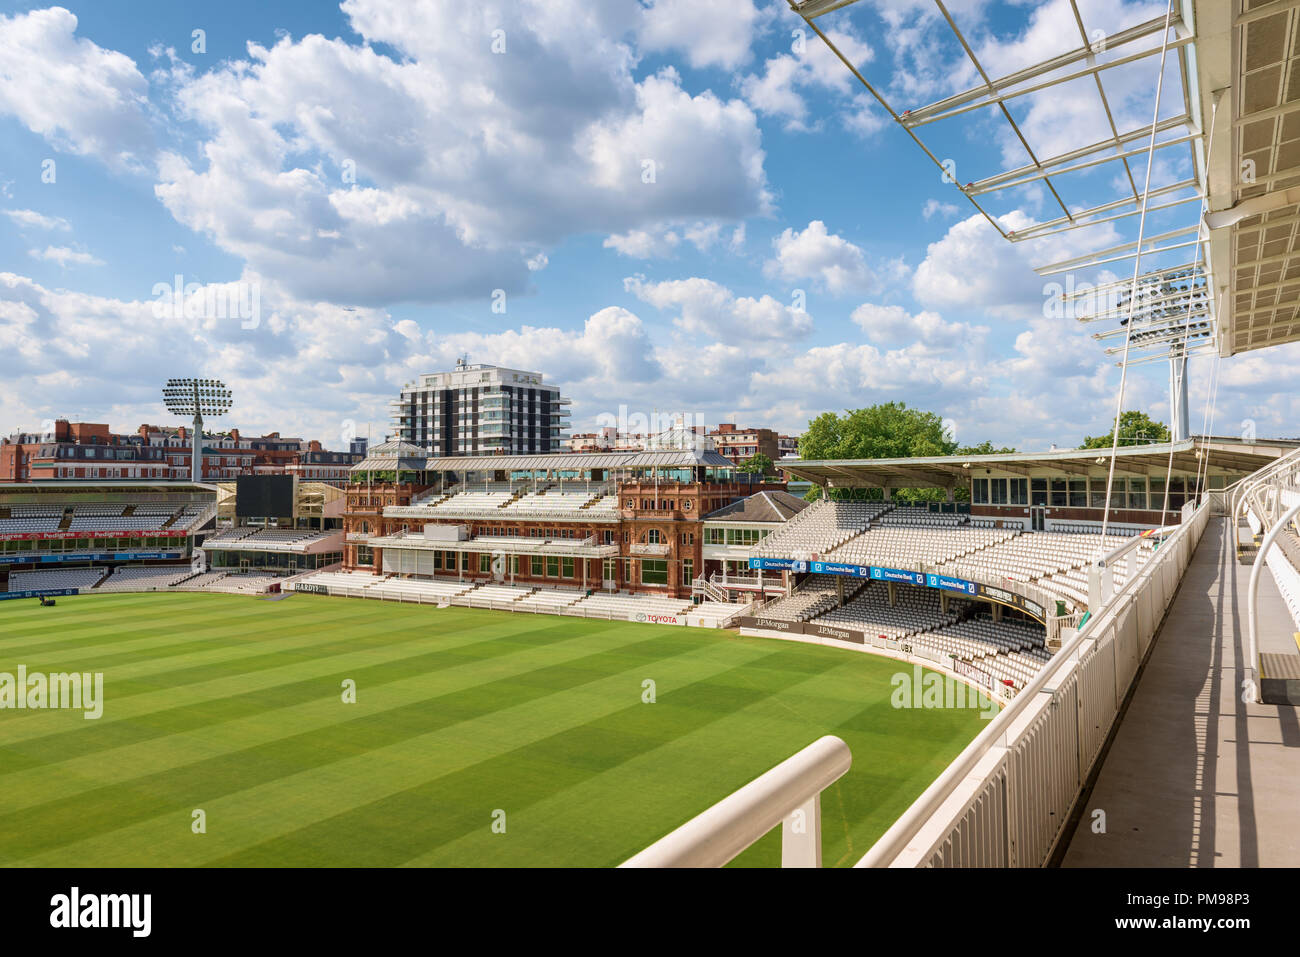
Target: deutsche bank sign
{"type": "Point", "coordinates": [950, 584]}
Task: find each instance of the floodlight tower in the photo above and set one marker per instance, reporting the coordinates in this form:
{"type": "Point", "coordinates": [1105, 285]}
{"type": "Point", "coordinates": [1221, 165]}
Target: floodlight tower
{"type": "Point", "coordinates": [197, 397]}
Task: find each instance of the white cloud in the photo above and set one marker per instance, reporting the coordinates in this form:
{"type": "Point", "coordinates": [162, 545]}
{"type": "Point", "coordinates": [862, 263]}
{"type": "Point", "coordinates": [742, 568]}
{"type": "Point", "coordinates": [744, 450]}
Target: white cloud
{"type": "Point", "coordinates": [79, 96]}
{"type": "Point", "coordinates": [895, 325]}
{"type": "Point", "coordinates": [811, 68]}
{"type": "Point", "coordinates": [716, 33]}
{"type": "Point", "coordinates": [829, 260]}
{"type": "Point", "coordinates": [707, 309]}
{"type": "Point", "coordinates": [461, 157]}
{"type": "Point", "coordinates": [644, 244]}
{"type": "Point", "coordinates": [934, 207]}
{"type": "Point", "coordinates": [31, 219]}
{"type": "Point", "coordinates": [65, 256]}
{"type": "Point", "coordinates": [973, 267]}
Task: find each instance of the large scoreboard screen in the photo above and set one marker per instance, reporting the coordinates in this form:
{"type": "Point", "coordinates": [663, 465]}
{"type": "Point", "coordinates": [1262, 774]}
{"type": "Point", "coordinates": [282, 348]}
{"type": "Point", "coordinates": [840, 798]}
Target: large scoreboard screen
{"type": "Point", "coordinates": [264, 496]}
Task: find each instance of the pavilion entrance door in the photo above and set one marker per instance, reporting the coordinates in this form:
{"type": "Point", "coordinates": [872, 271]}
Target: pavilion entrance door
{"type": "Point", "coordinates": [1038, 518]}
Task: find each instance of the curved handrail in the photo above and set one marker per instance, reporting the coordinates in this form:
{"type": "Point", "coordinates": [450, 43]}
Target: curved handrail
{"type": "Point", "coordinates": [895, 840]}
{"type": "Point", "coordinates": [1252, 599]}
{"type": "Point", "coordinates": [714, 837]}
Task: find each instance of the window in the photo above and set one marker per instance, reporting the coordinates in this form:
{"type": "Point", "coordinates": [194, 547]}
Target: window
{"type": "Point", "coordinates": [1060, 493]}
{"type": "Point", "coordinates": [1137, 493]}
{"type": "Point", "coordinates": [979, 491]}
{"type": "Point", "coordinates": [552, 566]}
{"type": "Point", "coordinates": [998, 491]}
{"type": "Point", "coordinates": [1019, 491]}
{"type": "Point", "coordinates": [653, 537]}
{"type": "Point", "coordinates": [654, 572]}
{"type": "Point", "coordinates": [610, 569]}
{"type": "Point", "coordinates": [688, 569]}
{"type": "Point", "coordinates": [714, 536]}
{"type": "Point", "coordinates": [1078, 493]}
{"type": "Point", "coordinates": [537, 566]}
{"type": "Point", "coordinates": [566, 568]}
{"type": "Point", "coordinates": [484, 562]}
{"type": "Point", "coordinates": [1038, 491]}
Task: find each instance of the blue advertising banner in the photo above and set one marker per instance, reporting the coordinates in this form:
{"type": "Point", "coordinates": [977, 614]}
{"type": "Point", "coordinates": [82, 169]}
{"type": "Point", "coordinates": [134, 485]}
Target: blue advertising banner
{"type": "Point", "coordinates": [950, 584]}
{"type": "Point", "coordinates": [88, 557]}
{"type": "Point", "coordinates": [778, 565]}
{"type": "Point", "coordinates": [37, 593]}
{"type": "Point", "coordinates": [839, 568]}
{"type": "Point", "coordinates": [896, 575]}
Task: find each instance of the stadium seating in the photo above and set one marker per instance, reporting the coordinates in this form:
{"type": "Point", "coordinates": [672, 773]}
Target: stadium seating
{"type": "Point", "coordinates": [717, 614]}
{"type": "Point", "coordinates": [24, 519]}
{"type": "Point", "coordinates": [820, 528]}
{"type": "Point", "coordinates": [270, 538]}
{"type": "Point", "coordinates": [916, 610]}
{"type": "Point", "coordinates": [923, 517]}
{"type": "Point", "coordinates": [603, 605]}
{"type": "Point", "coordinates": [83, 578]}
{"type": "Point", "coordinates": [817, 594]}
{"type": "Point", "coordinates": [913, 547]}
{"type": "Point", "coordinates": [127, 578]}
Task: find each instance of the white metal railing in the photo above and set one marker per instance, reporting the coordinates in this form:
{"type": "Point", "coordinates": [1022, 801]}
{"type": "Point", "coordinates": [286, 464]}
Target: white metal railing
{"type": "Point", "coordinates": [789, 794]}
{"type": "Point", "coordinates": [1007, 797]}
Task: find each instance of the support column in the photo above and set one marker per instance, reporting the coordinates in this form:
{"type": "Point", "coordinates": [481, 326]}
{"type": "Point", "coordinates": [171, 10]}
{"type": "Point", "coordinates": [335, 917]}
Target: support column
{"type": "Point", "coordinates": [893, 593]}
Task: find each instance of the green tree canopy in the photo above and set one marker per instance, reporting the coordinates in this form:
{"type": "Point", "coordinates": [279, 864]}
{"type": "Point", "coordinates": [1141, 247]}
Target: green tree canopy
{"type": "Point", "coordinates": [759, 464]}
{"type": "Point", "coordinates": [1135, 428]}
{"type": "Point", "coordinates": [887, 431]}
{"type": "Point", "coordinates": [890, 430]}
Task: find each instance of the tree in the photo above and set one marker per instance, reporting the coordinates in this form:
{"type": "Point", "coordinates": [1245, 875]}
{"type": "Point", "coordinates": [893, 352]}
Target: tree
{"type": "Point", "coordinates": [887, 431]}
{"type": "Point", "coordinates": [1135, 428]}
{"type": "Point", "coordinates": [985, 448]}
{"type": "Point", "coordinates": [759, 464]}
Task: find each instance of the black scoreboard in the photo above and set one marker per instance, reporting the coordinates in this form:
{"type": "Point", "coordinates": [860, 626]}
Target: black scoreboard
{"type": "Point", "coordinates": [264, 496]}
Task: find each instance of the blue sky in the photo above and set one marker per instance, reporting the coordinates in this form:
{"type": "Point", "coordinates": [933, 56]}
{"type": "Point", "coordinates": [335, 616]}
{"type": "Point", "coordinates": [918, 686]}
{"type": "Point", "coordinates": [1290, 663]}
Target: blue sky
{"type": "Point", "coordinates": [375, 175]}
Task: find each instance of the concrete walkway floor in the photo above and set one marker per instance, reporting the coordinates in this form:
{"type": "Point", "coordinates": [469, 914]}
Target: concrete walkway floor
{"type": "Point", "coordinates": [1194, 777]}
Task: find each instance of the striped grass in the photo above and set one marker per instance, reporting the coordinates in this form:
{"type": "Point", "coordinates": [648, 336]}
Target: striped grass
{"type": "Point", "coordinates": [233, 705]}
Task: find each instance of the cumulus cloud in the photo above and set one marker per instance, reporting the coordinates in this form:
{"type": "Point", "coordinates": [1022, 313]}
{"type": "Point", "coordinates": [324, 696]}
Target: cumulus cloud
{"type": "Point", "coordinates": [829, 260]}
{"type": "Point", "coordinates": [782, 88]}
{"type": "Point", "coordinates": [971, 266]}
{"type": "Point", "coordinates": [711, 33]}
{"type": "Point", "coordinates": [710, 310]}
{"type": "Point", "coordinates": [80, 97]}
{"type": "Point", "coordinates": [346, 173]}
{"type": "Point", "coordinates": [894, 324]}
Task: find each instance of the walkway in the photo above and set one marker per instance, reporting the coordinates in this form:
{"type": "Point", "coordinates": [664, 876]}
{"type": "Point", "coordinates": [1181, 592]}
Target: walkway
{"type": "Point", "coordinates": [1194, 777]}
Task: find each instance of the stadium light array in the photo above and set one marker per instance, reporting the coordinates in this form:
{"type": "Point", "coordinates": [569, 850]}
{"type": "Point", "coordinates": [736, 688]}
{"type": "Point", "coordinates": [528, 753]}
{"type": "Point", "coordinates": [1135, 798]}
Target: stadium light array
{"type": "Point", "coordinates": [197, 398]}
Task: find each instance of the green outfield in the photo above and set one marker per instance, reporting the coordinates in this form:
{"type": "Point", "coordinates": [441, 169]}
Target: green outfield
{"type": "Point", "coordinates": [234, 706]}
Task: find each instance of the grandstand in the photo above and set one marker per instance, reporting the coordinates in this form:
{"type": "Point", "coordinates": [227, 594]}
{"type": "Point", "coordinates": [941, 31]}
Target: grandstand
{"type": "Point", "coordinates": [68, 535]}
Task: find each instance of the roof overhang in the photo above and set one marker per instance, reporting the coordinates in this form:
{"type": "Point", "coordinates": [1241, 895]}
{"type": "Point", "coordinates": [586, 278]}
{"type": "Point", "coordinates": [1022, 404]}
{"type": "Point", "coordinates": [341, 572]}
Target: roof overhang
{"type": "Point", "coordinates": [1254, 168]}
{"type": "Point", "coordinates": [1230, 455]}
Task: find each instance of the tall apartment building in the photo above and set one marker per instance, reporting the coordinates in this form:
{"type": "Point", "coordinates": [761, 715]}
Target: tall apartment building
{"type": "Point", "coordinates": [481, 409]}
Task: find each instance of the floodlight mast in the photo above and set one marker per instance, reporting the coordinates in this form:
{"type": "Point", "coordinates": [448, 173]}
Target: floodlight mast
{"type": "Point", "coordinates": [197, 396]}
